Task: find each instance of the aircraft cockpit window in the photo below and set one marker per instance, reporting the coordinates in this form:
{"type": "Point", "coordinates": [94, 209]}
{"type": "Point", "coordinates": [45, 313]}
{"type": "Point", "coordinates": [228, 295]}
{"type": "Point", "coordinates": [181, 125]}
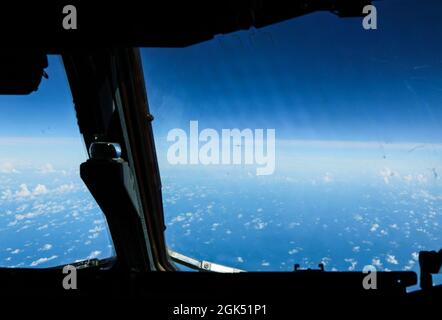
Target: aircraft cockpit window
{"type": "Point", "coordinates": [310, 141]}
{"type": "Point", "coordinates": [47, 216]}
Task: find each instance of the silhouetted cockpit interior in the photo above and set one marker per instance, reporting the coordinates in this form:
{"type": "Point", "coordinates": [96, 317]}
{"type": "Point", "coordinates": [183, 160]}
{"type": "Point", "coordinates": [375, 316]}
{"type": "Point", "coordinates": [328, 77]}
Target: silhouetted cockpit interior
{"type": "Point", "coordinates": [122, 216]}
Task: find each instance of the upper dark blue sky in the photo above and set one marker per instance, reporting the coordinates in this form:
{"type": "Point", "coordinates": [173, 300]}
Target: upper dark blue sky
{"type": "Point", "coordinates": [314, 77]}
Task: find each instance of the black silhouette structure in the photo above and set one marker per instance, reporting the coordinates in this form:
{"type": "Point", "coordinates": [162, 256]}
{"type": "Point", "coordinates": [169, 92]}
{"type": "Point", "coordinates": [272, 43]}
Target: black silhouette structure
{"type": "Point", "coordinates": [122, 173]}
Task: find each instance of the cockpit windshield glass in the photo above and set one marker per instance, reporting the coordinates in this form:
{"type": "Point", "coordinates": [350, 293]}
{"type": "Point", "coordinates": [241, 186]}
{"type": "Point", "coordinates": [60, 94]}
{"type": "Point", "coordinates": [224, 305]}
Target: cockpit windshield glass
{"type": "Point", "coordinates": [47, 215]}
{"type": "Point", "coordinates": [315, 140]}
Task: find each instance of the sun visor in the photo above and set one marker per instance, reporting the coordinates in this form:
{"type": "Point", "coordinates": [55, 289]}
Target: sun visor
{"type": "Point", "coordinates": [21, 70]}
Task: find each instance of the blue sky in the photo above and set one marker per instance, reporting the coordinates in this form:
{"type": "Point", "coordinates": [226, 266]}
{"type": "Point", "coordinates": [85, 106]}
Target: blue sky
{"type": "Point", "coordinates": [315, 77]}
{"type": "Point", "coordinates": [41, 127]}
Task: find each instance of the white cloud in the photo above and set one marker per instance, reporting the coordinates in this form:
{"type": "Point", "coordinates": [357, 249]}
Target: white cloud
{"type": "Point", "coordinates": [97, 229]}
{"type": "Point", "coordinates": [21, 208]}
{"type": "Point", "coordinates": [387, 174]}
{"type": "Point", "coordinates": [42, 260]}
{"type": "Point", "coordinates": [415, 256]}
{"type": "Point", "coordinates": [23, 192]}
{"type": "Point", "coordinates": [374, 227]}
{"type": "Point", "coordinates": [421, 178]}
{"type": "Point", "coordinates": [7, 195]}
{"type": "Point", "coordinates": [178, 218]}
{"type": "Point", "coordinates": [391, 259]}
{"type": "Point", "coordinates": [12, 223]}
{"type": "Point", "coordinates": [410, 265]}
{"type": "Point", "coordinates": [240, 259]}
{"type": "Point", "coordinates": [40, 189]}
{"type": "Point", "coordinates": [47, 168]}
{"type": "Point", "coordinates": [66, 188]}
{"type": "Point", "coordinates": [352, 262]}
{"type": "Point", "coordinates": [8, 167]}
{"type": "Point", "coordinates": [258, 224]}
{"type": "Point", "coordinates": [376, 262]}
{"type": "Point", "coordinates": [16, 251]}
{"type": "Point", "coordinates": [46, 247]}
{"type": "Point", "coordinates": [29, 215]}
{"type": "Point", "coordinates": [94, 254]}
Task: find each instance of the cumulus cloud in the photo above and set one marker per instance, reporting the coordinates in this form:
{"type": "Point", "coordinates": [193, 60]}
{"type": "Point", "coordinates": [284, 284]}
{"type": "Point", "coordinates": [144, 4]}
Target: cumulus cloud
{"type": "Point", "coordinates": [40, 189]}
{"type": "Point", "coordinates": [94, 254]}
{"type": "Point", "coordinates": [67, 187]}
{"type": "Point", "coordinates": [46, 247]}
{"type": "Point", "coordinates": [21, 208]}
{"type": "Point", "coordinates": [45, 226]}
{"type": "Point", "coordinates": [28, 215]}
{"type": "Point", "coordinates": [178, 218]}
{"type": "Point", "coordinates": [8, 167]}
{"type": "Point", "coordinates": [240, 259]}
{"type": "Point", "coordinates": [420, 178]}
{"type": "Point", "coordinates": [43, 260]}
{"type": "Point", "coordinates": [215, 226]}
{"type": "Point", "coordinates": [415, 256]}
{"type": "Point", "coordinates": [410, 265]}
{"type": "Point", "coordinates": [376, 262]}
{"type": "Point", "coordinates": [47, 168]}
{"type": "Point", "coordinates": [7, 194]}
{"type": "Point", "coordinates": [391, 259]}
{"type": "Point", "coordinates": [259, 224]}
{"type": "Point", "coordinates": [23, 191]}
{"type": "Point", "coordinates": [97, 229]}
{"type": "Point", "coordinates": [387, 174]}
{"type": "Point", "coordinates": [374, 227]}
{"type": "Point", "coordinates": [352, 262]}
